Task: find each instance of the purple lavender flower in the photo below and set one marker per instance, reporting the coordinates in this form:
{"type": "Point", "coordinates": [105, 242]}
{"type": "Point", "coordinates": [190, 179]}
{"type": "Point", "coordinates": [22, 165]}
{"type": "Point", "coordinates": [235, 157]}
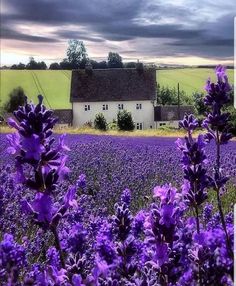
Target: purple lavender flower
{"type": "Point", "coordinates": [189, 123]}
{"type": "Point", "coordinates": [126, 197]}
{"type": "Point", "coordinates": [81, 182]}
{"type": "Point", "coordinates": [12, 260]}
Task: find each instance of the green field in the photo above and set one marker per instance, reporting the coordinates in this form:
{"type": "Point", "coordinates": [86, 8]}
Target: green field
{"type": "Point", "coordinates": [55, 85]}
{"type": "Point", "coordinates": [189, 79]}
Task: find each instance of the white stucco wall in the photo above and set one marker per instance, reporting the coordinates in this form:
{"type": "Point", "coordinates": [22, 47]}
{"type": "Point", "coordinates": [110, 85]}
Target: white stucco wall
{"type": "Point", "coordinates": [144, 115]}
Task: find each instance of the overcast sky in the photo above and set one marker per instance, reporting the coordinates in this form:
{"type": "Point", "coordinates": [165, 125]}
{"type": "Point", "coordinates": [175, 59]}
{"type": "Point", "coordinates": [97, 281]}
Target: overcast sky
{"type": "Point", "coordinates": [160, 31]}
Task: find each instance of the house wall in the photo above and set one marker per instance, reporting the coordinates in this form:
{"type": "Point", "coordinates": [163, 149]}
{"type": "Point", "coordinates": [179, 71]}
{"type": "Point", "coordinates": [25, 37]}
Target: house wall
{"type": "Point", "coordinates": [174, 123]}
{"type": "Point", "coordinates": [144, 115]}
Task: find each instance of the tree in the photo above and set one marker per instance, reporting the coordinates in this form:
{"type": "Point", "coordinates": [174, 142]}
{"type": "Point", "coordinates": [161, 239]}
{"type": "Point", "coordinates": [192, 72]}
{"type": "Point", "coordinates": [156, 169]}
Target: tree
{"type": "Point", "coordinates": [114, 60]}
{"type": "Point", "coordinates": [65, 65]}
{"type": "Point", "coordinates": [20, 66]}
{"type": "Point", "coordinates": [42, 65]}
{"type": "Point", "coordinates": [102, 65]}
{"type": "Point", "coordinates": [98, 65]}
{"type": "Point", "coordinates": [16, 99]}
{"type": "Point", "coordinates": [166, 96]}
{"type": "Point", "coordinates": [125, 121]}
{"type": "Point", "coordinates": [32, 65]}
{"type": "Point", "coordinates": [130, 65]}
{"type": "Point", "coordinates": [76, 53]}
{"type": "Point", "coordinates": [14, 67]}
{"type": "Point", "coordinates": [169, 96]}
{"type": "Point", "coordinates": [54, 66]}
{"type": "Point", "coordinates": [100, 122]}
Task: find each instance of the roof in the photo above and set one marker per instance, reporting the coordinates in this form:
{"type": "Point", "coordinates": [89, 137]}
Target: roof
{"type": "Point", "coordinates": [113, 85]}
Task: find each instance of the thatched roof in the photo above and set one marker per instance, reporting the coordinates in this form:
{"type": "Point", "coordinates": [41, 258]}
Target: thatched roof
{"type": "Point", "coordinates": [113, 85]}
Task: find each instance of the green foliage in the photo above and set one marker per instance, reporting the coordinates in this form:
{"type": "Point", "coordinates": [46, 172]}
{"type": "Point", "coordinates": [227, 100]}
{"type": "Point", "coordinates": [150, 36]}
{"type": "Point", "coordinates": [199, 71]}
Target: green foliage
{"type": "Point", "coordinates": [20, 66]}
{"type": "Point", "coordinates": [54, 66]}
{"type": "Point", "coordinates": [33, 65]}
{"type": "Point", "coordinates": [100, 122]}
{"type": "Point", "coordinates": [232, 111]}
{"type": "Point", "coordinates": [112, 125]}
{"type": "Point", "coordinates": [16, 99]}
{"type": "Point", "coordinates": [125, 121]}
{"type": "Point", "coordinates": [98, 65]}
{"type": "Point", "coordinates": [65, 65]}
{"type": "Point", "coordinates": [114, 60]}
{"type": "Point", "coordinates": [76, 54]}
{"type": "Point", "coordinates": [130, 65]}
{"type": "Point", "coordinates": [199, 105]}
{"type": "Point", "coordinates": [169, 96]}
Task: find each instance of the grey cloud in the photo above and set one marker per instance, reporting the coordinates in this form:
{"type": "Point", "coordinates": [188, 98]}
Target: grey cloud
{"type": "Point", "coordinates": [190, 29]}
{"type": "Point", "coordinates": [10, 34]}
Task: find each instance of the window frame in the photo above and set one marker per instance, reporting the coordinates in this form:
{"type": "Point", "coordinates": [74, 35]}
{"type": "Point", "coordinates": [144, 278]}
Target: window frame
{"type": "Point", "coordinates": [138, 125]}
{"type": "Point", "coordinates": [120, 106]}
{"type": "Point", "coordinates": [105, 107]}
{"type": "Point", "coordinates": [138, 106]}
{"type": "Point", "coordinates": [87, 107]}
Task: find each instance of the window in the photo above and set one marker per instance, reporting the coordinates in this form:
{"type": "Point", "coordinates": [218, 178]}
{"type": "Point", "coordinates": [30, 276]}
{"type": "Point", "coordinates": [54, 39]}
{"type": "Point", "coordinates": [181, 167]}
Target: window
{"type": "Point", "coordinates": [162, 124]}
{"type": "Point", "coordinates": [139, 126]}
{"type": "Point", "coordinates": [87, 107]}
{"type": "Point", "coordinates": [105, 107]}
{"type": "Point", "coordinates": [138, 105]}
{"type": "Point", "coordinates": [120, 106]}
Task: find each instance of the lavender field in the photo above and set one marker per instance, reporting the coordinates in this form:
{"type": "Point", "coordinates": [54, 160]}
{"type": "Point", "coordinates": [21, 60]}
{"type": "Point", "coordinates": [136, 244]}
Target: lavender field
{"type": "Point", "coordinates": [113, 163]}
{"type": "Point", "coordinates": [83, 210]}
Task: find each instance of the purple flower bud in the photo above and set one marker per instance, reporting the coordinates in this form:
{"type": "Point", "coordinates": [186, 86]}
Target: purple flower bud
{"type": "Point", "coordinates": [81, 182]}
{"type": "Point", "coordinates": [189, 123]}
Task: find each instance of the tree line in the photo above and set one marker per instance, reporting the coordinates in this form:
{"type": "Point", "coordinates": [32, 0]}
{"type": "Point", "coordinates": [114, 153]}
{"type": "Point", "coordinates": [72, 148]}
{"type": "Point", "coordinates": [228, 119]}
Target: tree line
{"type": "Point", "coordinates": [77, 58]}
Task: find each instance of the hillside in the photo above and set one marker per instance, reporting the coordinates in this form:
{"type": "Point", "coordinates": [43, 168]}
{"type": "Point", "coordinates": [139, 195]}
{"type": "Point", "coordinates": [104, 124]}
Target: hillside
{"type": "Point", "coordinates": [54, 85]}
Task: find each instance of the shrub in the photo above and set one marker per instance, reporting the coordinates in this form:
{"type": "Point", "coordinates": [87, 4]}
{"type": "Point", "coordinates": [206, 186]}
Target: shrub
{"type": "Point", "coordinates": [112, 125]}
{"type": "Point", "coordinates": [199, 104]}
{"type": "Point", "coordinates": [100, 122]}
{"type": "Point", "coordinates": [16, 99]}
{"type": "Point", "coordinates": [125, 121]}
{"type": "Point", "coordinates": [232, 112]}
{"type": "Point", "coordinates": [169, 96]}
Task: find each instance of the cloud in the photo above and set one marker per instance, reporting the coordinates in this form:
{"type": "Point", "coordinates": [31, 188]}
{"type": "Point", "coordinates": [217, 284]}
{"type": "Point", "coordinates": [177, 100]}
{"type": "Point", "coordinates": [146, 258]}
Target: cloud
{"type": "Point", "coordinates": [11, 34]}
{"type": "Point", "coordinates": [183, 27]}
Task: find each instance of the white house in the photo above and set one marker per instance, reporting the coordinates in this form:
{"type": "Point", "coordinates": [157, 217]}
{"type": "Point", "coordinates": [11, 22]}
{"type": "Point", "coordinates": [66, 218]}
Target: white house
{"type": "Point", "coordinates": [109, 90]}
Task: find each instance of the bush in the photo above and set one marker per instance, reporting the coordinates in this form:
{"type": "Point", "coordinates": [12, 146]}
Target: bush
{"type": "Point", "coordinates": [125, 121]}
{"type": "Point", "coordinates": [199, 104]}
{"type": "Point", "coordinates": [112, 125]}
{"type": "Point", "coordinates": [232, 112]}
{"type": "Point", "coordinates": [169, 96]}
{"type": "Point", "coordinates": [16, 99]}
{"type": "Point", "coordinates": [100, 122]}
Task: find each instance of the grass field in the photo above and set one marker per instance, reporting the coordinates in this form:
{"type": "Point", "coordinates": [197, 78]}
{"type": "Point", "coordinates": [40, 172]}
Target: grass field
{"type": "Point", "coordinates": [190, 79]}
{"type": "Point", "coordinates": [55, 85]}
